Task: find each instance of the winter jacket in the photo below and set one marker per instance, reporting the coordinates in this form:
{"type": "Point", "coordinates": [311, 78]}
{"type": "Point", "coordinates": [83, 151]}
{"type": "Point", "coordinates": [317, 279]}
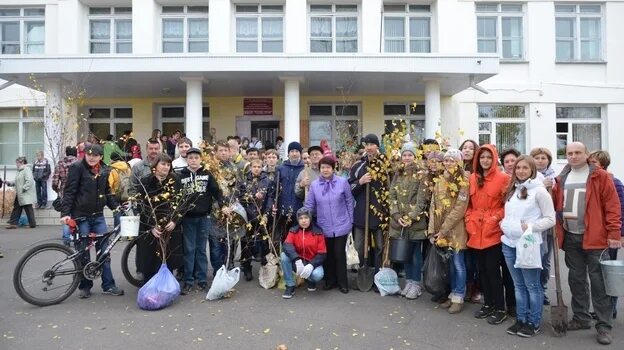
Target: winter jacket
{"type": "Point", "coordinates": [313, 174]}
{"type": "Point", "coordinates": [619, 188]}
{"type": "Point", "coordinates": [409, 195]}
{"type": "Point", "coordinates": [25, 186]}
{"type": "Point", "coordinates": [359, 169]}
{"type": "Point", "coordinates": [486, 207]}
{"type": "Point", "coordinates": [140, 170]}
{"type": "Point", "coordinates": [247, 195]}
{"type": "Point", "coordinates": [41, 170]}
{"type": "Point", "coordinates": [447, 210]}
{"type": "Point", "coordinates": [87, 191]}
{"type": "Point", "coordinates": [602, 218]}
{"type": "Point", "coordinates": [308, 245]}
{"type": "Point", "coordinates": [203, 186]}
{"type": "Point", "coordinates": [537, 210]}
{"type": "Point", "coordinates": [59, 179]}
{"type": "Point", "coordinates": [114, 179]}
{"type": "Point", "coordinates": [111, 147]}
{"type": "Point", "coordinates": [331, 202]}
{"type": "Point", "coordinates": [287, 201]}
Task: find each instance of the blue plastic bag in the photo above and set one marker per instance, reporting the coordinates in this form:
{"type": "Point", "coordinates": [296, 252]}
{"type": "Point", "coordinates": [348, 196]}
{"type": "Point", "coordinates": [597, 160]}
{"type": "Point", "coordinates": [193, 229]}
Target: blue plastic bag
{"type": "Point", "coordinates": [160, 291]}
{"type": "Point", "coordinates": [23, 220]}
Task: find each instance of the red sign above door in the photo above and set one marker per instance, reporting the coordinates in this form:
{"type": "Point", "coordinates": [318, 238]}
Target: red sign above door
{"type": "Point", "coordinates": [258, 106]}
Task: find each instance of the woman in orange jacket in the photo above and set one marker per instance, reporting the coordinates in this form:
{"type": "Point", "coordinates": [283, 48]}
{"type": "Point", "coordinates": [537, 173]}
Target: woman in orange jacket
{"type": "Point", "coordinates": [485, 211]}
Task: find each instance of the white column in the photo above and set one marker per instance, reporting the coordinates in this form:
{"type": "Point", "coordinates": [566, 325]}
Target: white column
{"type": "Point", "coordinates": [432, 108]}
{"type": "Point", "coordinates": [291, 109]}
{"type": "Point", "coordinates": [193, 111]}
{"type": "Point", "coordinates": [371, 26]}
{"type": "Point", "coordinates": [54, 120]}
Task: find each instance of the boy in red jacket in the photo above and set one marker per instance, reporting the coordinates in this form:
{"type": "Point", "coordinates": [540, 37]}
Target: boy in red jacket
{"type": "Point", "coordinates": [304, 251]}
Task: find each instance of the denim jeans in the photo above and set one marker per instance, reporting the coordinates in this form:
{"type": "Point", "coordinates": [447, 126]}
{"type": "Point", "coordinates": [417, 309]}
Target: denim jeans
{"type": "Point", "coordinates": [66, 234]}
{"type": "Point", "coordinates": [528, 289]}
{"type": "Point", "coordinates": [457, 274]}
{"type": "Point", "coordinates": [218, 251]}
{"type": "Point", "coordinates": [195, 240]}
{"type": "Point", "coordinates": [94, 224]}
{"type": "Point", "coordinates": [41, 187]}
{"type": "Point", "coordinates": [288, 269]}
{"type": "Point", "coordinates": [413, 269]}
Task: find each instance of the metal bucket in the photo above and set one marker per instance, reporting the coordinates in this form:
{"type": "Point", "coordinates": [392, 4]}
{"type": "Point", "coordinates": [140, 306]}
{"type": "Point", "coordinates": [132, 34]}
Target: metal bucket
{"type": "Point", "coordinates": [129, 226]}
{"type": "Point", "coordinates": [613, 276]}
{"type": "Point", "coordinates": [401, 249]}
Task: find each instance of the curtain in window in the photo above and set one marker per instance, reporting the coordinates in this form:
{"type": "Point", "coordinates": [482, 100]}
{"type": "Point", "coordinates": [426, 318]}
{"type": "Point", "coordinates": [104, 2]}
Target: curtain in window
{"type": "Point", "coordinates": [346, 27]}
{"type": "Point", "coordinates": [321, 27]}
{"type": "Point", "coordinates": [486, 34]}
{"type": "Point", "coordinates": [33, 138]}
{"type": "Point", "coordinates": [272, 34]}
{"type": "Point", "coordinates": [9, 31]}
{"type": "Point", "coordinates": [173, 28]}
{"type": "Point", "coordinates": [100, 30]}
{"type": "Point", "coordinates": [420, 35]}
{"type": "Point", "coordinates": [512, 37]}
{"type": "Point", "coordinates": [9, 142]}
{"type": "Point", "coordinates": [588, 134]}
{"type": "Point", "coordinates": [590, 38]}
{"type": "Point", "coordinates": [247, 28]}
{"type": "Point", "coordinates": [564, 28]}
{"type": "Point", "coordinates": [123, 29]}
{"type": "Point", "coordinates": [511, 135]}
{"type": "Point", "coordinates": [35, 37]}
{"type": "Point", "coordinates": [394, 32]}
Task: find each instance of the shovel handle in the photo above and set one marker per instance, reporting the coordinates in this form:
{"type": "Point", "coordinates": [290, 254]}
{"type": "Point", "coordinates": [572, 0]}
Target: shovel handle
{"type": "Point", "coordinates": [555, 241]}
{"type": "Point", "coordinates": [366, 222]}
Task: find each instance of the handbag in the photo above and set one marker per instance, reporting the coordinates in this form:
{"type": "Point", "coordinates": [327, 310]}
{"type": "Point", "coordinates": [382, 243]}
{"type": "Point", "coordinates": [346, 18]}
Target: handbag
{"type": "Point", "coordinates": [56, 204]}
{"type": "Point", "coordinates": [352, 254]}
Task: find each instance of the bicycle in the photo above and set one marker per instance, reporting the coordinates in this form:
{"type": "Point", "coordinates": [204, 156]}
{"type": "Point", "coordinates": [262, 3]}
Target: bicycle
{"type": "Point", "coordinates": [67, 263]}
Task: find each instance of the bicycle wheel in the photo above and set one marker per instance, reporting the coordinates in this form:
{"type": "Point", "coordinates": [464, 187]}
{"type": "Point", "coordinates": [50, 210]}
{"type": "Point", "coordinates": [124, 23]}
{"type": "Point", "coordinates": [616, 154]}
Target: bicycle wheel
{"type": "Point", "coordinates": [44, 276]}
{"type": "Point", "coordinates": [129, 265]}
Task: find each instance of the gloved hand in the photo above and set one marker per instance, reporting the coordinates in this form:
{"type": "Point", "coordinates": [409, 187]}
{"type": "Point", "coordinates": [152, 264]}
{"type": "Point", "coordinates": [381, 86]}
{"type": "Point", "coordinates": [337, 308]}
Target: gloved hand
{"type": "Point", "coordinates": [299, 267]}
{"type": "Point", "coordinates": [307, 271]}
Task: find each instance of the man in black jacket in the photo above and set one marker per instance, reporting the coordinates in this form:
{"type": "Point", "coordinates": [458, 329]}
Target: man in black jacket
{"type": "Point", "coordinates": [200, 183]}
{"type": "Point", "coordinates": [86, 193]}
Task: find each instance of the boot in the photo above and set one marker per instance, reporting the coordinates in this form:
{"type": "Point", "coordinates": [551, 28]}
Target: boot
{"type": "Point", "coordinates": [408, 286]}
{"type": "Point", "coordinates": [457, 304]}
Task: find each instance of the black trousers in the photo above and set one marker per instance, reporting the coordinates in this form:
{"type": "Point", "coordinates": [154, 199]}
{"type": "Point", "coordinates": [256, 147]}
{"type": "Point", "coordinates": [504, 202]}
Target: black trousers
{"type": "Point", "coordinates": [489, 262]}
{"type": "Point", "coordinates": [17, 212]}
{"type": "Point", "coordinates": [335, 264]}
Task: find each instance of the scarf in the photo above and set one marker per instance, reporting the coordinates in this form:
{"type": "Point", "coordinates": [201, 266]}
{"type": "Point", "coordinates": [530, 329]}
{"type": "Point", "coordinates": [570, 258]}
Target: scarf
{"type": "Point", "coordinates": [327, 184]}
{"type": "Point", "coordinates": [548, 173]}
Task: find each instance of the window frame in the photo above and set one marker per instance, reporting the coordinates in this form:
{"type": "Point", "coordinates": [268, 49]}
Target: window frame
{"type": "Point", "coordinates": [576, 39]}
{"type": "Point", "coordinates": [494, 122]}
{"type": "Point", "coordinates": [410, 117]}
{"type": "Point", "coordinates": [23, 20]}
{"type": "Point", "coordinates": [112, 120]}
{"type": "Point", "coordinates": [259, 15]}
{"type": "Point", "coordinates": [334, 118]}
{"type": "Point", "coordinates": [333, 15]}
{"type": "Point", "coordinates": [406, 15]}
{"type": "Point", "coordinates": [187, 16]}
{"type": "Point", "coordinates": [499, 14]}
{"type": "Point", "coordinates": [571, 121]}
{"type": "Point", "coordinates": [161, 120]}
{"type": "Point", "coordinates": [24, 116]}
{"type": "Point", "coordinates": [113, 18]}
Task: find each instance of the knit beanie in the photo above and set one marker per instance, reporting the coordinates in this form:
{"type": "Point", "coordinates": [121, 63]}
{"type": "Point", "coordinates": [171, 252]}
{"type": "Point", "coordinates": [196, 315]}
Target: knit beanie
{"type": "Point", "coordinates": [295, 145]}
{"type": "Point", "coordinates": [371, 138]}
{"type": "Point", "coordinates": [409, 147]}
{"type": "Point", "coordinates": [456, 155]}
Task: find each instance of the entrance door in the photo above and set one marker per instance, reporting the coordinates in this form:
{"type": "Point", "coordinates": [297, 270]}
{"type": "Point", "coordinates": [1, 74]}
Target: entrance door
{"type": "Point", "coordinates": [266, 131]}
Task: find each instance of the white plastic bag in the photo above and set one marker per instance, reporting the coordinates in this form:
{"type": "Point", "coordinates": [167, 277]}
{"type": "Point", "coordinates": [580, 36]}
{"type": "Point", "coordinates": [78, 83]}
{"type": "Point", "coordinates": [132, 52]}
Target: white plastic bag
{"type": "Point", "coordinates": [387, 281]}
{"type": "Point", "coordinates": [352, 255]}
{"type": "Point", "coordinates": [528, 255]}
{"type": "Point", "coordinates": [223, 281]}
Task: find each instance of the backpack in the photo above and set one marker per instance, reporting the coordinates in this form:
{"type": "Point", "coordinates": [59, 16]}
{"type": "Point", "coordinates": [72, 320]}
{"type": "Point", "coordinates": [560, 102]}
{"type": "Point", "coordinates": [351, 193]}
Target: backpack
{"type": "Point", "coordinates": [121, 192]}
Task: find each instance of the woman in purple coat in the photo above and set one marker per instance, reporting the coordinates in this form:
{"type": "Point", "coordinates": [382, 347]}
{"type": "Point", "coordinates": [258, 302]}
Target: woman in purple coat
{"type": "Point", "coordinates": [331, 201]}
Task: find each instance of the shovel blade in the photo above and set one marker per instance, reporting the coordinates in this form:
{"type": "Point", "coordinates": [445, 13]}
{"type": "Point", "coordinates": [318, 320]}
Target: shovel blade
{"type": "Point", "coordinates": [365, 278]}
{"type": "Point", "coordinates": [559, 320]}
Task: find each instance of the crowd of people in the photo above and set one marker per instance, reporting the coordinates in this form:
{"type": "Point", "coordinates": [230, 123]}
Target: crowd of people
{"type": "Point", "coordinates": [306, 203]}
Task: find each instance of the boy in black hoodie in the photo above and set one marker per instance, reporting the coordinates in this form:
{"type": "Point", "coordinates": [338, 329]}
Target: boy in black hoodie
{"type": "Point", "coordinates": [199, 182]}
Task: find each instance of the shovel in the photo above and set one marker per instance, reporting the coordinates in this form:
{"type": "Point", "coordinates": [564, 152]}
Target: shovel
{"type": "Point", "coordinates": [366, 274]}
{"type": "Point", "coordinates": [559, 312]}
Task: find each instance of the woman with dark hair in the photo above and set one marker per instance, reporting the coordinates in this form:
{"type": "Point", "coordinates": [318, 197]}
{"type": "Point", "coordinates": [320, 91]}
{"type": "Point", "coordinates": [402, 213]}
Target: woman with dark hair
{"type": "Point", "coordinates": [508, 160]}
{"type": "Point", "coordinates": [25, 194]}
{"type": "Point", "coordinates": [468, 148]}
{"type": "Point", "coordinates": [153, 192]}
{"type": "Point", "coordinates": [484, 213]}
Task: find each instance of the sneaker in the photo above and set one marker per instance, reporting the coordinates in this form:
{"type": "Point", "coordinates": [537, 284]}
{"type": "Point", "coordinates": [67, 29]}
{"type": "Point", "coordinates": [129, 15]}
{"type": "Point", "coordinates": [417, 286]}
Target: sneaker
{"type": "Point", "coordinates": [186, 289]}
{"type": "Point", "coordinates": [11, 227]}
{"type": "Point", "coordinates": [528, 331]}
{"type": "Point", "coordinates": [84, 293]}
{"type": "Point", "coordinates": [497, 317]}
{"type": "Point", "coordinates": [289, 292]}
{"type": "Point", "coordinates": [575, 325]}
{"type": "Point", "coordinates": [414, 292]}
{"type": "Point", "coordinates": [513, 330]}
{"type": "Point", "coordinates": [603, 337]}
{"type": "Point", "coordinates": [484, 312]}
{"type": "Point", "coordinates": [546, 300]}
{"type": "Point", "coordinates": [408, 285]}
{"type": "Point", "coordinates": [311, 286]}
{"type": "Point", "coordinates": [202, 286]}
{"type": "Point", "coordinates": [114, 291]}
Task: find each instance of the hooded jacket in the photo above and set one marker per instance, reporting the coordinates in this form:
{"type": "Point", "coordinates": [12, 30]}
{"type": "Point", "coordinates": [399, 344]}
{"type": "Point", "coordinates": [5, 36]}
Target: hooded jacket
{"type": "Point", "coordinates": [446, 212]}
{"type": "Point", "coordinates": [332, 202]}
{"type": "Point", "coordinates": [306, 244]}
{"type": "Point", "coordinates": [204, 187]}
{"type": "Point", "coordinates": [87, 191]}
{"type": "Point", "coordinates": [288, 202]}
{"type": "Point", "coordinates": [486, 208]}
{"type": "Point", "coordinates": [410, 195]}
{"type": "Point", "coordinates": [602, 208]}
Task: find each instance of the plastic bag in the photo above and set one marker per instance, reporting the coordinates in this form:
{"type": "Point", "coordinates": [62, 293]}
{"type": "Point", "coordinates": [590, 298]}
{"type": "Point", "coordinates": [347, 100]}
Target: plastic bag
{"type": "Point", "coordinates": [387, 281]}
{"type": "Point", "coordinates": [268, 273]}
{"type": "Point", "coordinates": [528, 253]}
{"type": "Point", "coordinates": [223, 281]}
{"type": "Point", "coordinates": [352, 255]}
{"type": "Point", "coordinates": [436, 270]}
{"type": "Point", "coordinates": [160, 291]}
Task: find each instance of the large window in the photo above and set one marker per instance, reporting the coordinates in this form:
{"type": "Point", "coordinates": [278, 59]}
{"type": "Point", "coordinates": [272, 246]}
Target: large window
{"type": "Point", "coordinates": [500, 29]}
{"type": "Point", "coordinates": [172, 118]}
{"type": "Point", "coordinates": [104, 121]}
{"type": "Point", "coordinates": [405, 115]}
{"type": "Point", "coordinates": [583, 124]}
{"type": "Point", "coordinates": [579, 32]}
{"type": "Point", "coordinates": [22, 30]}
{"type": "Point", "coordinates": [259, 28]}
{"type": "Point", "coordinates": [110, 29]}
{"type": "Point", "coordinates": [339, 124]}
{"type": "Point", "coordinates": [333, 28]}
{"type": "Point", "coordinates": [407, 28]}
{"type": "Point", "coordinates": [184, 29]}
{"type": "Point", "coordinates": [21, 133]}
{"type": "Point", "coordinates": [504, 126]}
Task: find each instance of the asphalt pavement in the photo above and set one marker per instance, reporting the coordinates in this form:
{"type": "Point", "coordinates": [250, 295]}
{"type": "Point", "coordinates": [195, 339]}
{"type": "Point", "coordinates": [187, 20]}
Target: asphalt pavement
{"type": "Point", "coordinates": [254, 318]}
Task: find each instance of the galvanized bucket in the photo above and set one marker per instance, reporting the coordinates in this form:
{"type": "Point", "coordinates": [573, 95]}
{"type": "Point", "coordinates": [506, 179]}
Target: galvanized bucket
{"type": "Point", "coordinates": [613, 276]}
